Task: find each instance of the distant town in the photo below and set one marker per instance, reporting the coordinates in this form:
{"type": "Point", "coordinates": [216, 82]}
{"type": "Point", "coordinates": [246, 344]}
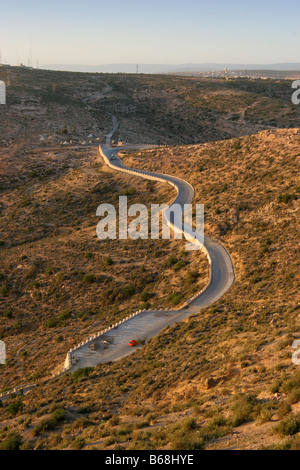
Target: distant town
{"type": "Point", "coordinates": [217, 72]}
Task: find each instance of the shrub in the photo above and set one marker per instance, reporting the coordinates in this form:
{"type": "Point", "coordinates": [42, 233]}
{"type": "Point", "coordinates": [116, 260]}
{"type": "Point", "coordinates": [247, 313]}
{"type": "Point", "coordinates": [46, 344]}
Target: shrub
{"type": "Point", "coordinates": [79, 443]}
{"type": "Point", "coordinates": [180, 264]}
{"type": "Point", "coordinates": [129, 191]}
{"type": "Point", "coordinates": [128, 290]}
{"type": "Point", "coordinates": [192, 277]}
{"type": "Point", "coordinates": [186, 443]}
{"type": "Point", "coordinates": [36, 376]}
{"type": "Point", "coordinates": [81, 374]}
{"type": "Point", "coordinates": [89, 279]}
{"type": "Point", "coordinates": [294, 396]}
{"type": "Point", "coordinates": [4, 291]}
{"type": "Point", "coordinates": [58, 415]}
{"type": "Point", "coordinates": [8, 314]}
{"type": "Point", "coordinates": [51, 323]}
{"type": "Point", "coordinates": [26, 446]}
{"type": "Point", "coordinates": [171, 262]}
{"type": "Point", "coordinates": [56, 406]}
{"type": "Point", "coordinates": [145, 306]}
{"type": "Point", "coordinates": [15, 408]}
{"type": "Point", "coordinates": [12, 442]}
{"type": "Point", "coordinates": [264, 415]}
{"type": "Point", "coordinates": [84, 409]}
{"type": "Point", "coordinates": [289, 426]}
{"type": "Point", "coordinates": [50, 423]}
{"type": "Point", "coordinates": [188, 424]}
{"type": "Point", "coordinates": [65, 315]}
{"type": "Point", "coordinates": [283, 410]}
{"type": "Point", "coordinates": [108, 261]}
{"type": "Point", "coordinates": [80, 423]}
{"type": "Point", "coordinates": [237, 145]}
{"type": "Point", "coordinates": [175, 298]}
{"type": "Point", "coordinates": [145, 296]}
{"type": "Point", "coordinates": [275, 387]}
{"type": "Point", "coordinates": [114, 421]}
{"type": "Point", "coordinates": [110, 441]}
{"type": "Point", "coordinates": [286, 198]}
{"type": "Point", "coordinates": [292, 383]}
{"type": "Point", "coordinates": [243, 410]}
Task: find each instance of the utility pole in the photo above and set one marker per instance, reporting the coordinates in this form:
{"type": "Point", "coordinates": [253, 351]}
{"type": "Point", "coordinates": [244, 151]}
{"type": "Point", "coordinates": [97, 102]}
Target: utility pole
{"type": "Point", "coordinates": [30, 55]}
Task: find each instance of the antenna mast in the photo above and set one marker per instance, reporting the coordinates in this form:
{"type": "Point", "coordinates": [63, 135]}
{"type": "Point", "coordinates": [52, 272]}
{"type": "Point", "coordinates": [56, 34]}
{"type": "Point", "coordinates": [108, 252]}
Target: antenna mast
{"type": "Point", "coordinates": [30, 55]}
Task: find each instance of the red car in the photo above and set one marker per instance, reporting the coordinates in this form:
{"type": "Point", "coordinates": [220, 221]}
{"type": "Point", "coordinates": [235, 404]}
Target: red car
{"type": "Point", "coordinates": [133, 343]}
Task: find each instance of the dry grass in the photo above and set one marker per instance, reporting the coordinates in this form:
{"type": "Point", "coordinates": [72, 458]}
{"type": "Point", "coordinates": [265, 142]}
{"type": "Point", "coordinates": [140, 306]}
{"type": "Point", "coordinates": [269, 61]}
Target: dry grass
{"type": "Point", "coordinates": [228, 368]}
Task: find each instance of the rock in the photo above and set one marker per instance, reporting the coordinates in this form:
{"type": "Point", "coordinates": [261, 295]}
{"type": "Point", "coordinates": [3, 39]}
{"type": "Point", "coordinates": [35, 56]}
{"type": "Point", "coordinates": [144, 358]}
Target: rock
{"type": "Point", "coordinates": [210, 383]}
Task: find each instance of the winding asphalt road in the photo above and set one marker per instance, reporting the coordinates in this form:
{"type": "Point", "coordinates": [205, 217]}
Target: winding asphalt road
{"type": "Point", "coordinates": [114, 345]}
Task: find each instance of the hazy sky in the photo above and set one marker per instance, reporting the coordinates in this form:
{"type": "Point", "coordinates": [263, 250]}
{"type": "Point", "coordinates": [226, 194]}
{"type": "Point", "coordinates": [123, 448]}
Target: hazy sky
{"type": "Point", "coordinates": [154, 31]}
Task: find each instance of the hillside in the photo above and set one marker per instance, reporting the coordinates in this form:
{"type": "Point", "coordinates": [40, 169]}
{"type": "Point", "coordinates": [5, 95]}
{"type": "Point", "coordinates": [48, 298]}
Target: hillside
{"type": "Point", "coordinates": [223, 379]}
{"type": "Point", "coordinates": [49, 107]}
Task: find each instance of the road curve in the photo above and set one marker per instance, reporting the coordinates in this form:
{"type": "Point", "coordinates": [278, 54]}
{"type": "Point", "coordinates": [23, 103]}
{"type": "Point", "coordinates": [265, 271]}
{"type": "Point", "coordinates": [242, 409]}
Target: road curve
{"type": "Point", "coordinates": [113, 345]}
